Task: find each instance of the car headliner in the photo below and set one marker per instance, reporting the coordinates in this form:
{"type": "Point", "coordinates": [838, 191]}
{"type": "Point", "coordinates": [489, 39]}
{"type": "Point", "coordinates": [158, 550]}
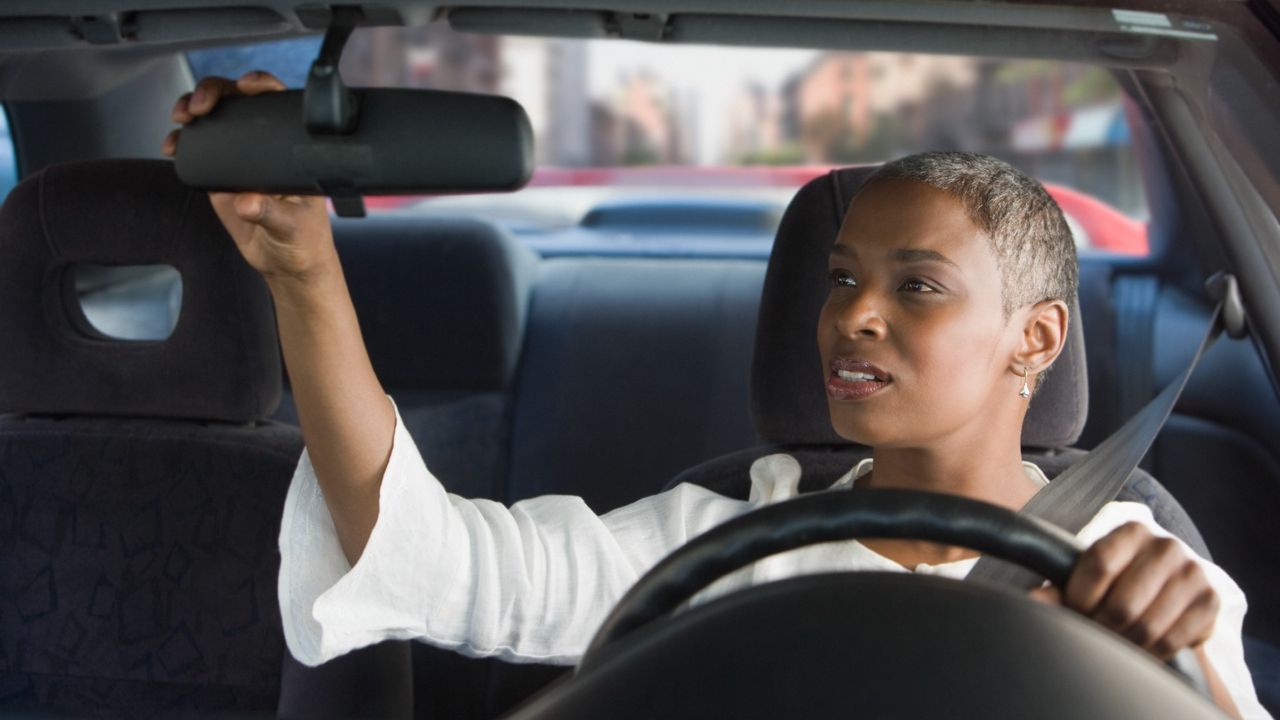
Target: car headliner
{"type": "Point", "coordinates": [85, 24]}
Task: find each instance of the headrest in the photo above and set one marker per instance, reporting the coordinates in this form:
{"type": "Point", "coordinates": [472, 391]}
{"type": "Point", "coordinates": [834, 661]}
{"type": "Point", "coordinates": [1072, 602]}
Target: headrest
{"type": "Point", "coordinates": [222, 361]}
{"type": "Point", "coordinates": [788, 402]}
{"type": "Point", "coordinates": [441, 302]}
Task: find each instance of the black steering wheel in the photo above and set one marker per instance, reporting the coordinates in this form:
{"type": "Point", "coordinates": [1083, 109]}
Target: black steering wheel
{"type": "Point", "coordinates": [637, 638]}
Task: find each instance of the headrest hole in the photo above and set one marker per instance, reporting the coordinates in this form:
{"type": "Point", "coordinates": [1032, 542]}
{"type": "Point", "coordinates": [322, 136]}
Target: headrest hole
{"type": "Point", "coordinates": [128, 302]}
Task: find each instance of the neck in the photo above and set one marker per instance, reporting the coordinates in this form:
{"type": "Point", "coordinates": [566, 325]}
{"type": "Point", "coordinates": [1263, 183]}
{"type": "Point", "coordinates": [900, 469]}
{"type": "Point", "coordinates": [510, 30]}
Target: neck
{"type": "Point", "coordinates": [980, 461]}
{"type": "Point", "coordinates": [978, 467]}
{"type": "Point", "coordinates": [999, 479]}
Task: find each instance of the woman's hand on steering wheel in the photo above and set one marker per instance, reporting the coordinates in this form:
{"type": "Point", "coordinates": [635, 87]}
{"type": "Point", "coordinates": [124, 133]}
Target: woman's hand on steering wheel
{"type": "Point", "coordinates": [1148, 589]}
{"type": "Point", "coordinates": [1143, 587]}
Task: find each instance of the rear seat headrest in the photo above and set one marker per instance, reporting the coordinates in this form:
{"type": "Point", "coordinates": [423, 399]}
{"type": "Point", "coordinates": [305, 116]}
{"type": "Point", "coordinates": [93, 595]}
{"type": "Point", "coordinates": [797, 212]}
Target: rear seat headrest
{"type": "Point", "coordinates": [222, 360]}
{"type": "Point", "coordinates": [442, 302]}
{"type": "Point", "coordinates": [788, 402]}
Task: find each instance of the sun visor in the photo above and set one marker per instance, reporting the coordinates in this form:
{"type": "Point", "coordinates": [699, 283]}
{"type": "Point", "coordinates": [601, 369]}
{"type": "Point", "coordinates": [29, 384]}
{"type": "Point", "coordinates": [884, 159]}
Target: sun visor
{"type": "Point", "coordinates": [402, 142]}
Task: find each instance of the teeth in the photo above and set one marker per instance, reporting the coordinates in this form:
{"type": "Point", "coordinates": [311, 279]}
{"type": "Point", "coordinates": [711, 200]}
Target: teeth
{"type": "Point", "coordinates": [855, 376]}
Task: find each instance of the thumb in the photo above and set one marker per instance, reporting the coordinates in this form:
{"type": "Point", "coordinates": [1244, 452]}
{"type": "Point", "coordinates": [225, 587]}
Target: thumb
{"type": "Point", "coordinates": [267, 212]}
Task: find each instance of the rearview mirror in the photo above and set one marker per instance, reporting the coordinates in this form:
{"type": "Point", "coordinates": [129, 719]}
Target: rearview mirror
{"type": "Point", "coordinates": [403, 142]}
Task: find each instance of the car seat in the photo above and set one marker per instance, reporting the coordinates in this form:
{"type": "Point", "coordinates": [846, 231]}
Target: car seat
{"type": "Point", "coordinates": [141, 487]}
{"type": "Point", "coordinates": [788, 401]}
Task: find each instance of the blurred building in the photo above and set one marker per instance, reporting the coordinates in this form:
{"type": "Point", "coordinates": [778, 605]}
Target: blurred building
{"type": "Point", "coordinates": [647, 118]}
{"type": "Point", "coordinates": [569, 136]}
{"type": "Point", "coordinates": [686, 116]}
{"type": "Point", "coordinates": [430, 56]}
{"type": "Point", "coordinates": [549, 78]}
{"type": "Point", "coordinates": [848, 104]}
{"type": "Point", "coordinates": [755, 122]}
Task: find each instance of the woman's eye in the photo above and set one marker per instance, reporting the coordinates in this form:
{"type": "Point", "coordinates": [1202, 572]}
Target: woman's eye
{"type": "Point", "coordinates": [916, 286]}
{"type": "Point", "coordinates": [842, 278]}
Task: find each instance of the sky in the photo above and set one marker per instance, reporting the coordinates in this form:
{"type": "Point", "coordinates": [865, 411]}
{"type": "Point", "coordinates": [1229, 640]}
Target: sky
{"type": "Point", "coordinates": [712, 74]}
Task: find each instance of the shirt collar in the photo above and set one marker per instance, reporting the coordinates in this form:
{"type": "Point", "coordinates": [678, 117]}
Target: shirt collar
{"type": "Point", "coordinates": [1033, 471]}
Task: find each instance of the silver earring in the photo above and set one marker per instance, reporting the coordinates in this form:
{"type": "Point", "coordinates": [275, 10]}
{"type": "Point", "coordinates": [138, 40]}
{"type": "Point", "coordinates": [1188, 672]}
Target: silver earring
{"type": "Point", "coordinates": [1025, 392]}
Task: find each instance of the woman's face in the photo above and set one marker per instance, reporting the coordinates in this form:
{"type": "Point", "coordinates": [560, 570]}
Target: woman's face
{"type": "Point", "coordinates": [913, 337]}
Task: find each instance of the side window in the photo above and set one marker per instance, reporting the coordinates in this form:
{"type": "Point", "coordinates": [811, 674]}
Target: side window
{"type": "Point", "coordinates": [8, 158]}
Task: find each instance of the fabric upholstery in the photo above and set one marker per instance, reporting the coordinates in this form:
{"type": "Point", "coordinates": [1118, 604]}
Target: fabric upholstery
{"type": "Point", "coordinates": [788, 402]}
{"type": "Point", "coordinates": [1227, 481]}
{"type": "Point", "coordinates": [633, 370]}
{"type": "Point", "coordinates": [138, 568]}
{"type": "Point", "coordinates": [138, 555]}
{"type": "Point", "coordinates": [442, 304]}
{"type": "Point", "coordinates": [90, 213]}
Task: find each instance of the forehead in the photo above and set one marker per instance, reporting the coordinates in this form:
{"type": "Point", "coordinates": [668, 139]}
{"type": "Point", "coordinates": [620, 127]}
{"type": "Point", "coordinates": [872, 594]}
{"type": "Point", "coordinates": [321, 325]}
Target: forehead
{"type": "Point", "coordinates": [889, 215]}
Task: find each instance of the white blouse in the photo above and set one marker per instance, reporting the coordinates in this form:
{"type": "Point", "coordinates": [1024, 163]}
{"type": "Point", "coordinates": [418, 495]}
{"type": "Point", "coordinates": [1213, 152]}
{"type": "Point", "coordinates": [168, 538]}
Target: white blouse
{"type": "Point", "coordinates": [533, 582]}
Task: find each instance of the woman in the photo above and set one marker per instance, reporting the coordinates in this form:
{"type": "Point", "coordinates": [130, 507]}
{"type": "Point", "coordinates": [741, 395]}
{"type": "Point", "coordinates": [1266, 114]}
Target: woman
{"type": "Point", "coordinates": [951, 280]}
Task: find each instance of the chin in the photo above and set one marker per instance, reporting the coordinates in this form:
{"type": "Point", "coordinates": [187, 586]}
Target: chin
{"type": "Point", "coordinates": [862, 428]}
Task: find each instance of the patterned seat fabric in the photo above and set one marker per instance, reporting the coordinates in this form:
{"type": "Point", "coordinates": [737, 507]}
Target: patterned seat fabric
{"type": "Point", "coordinates": [141, 488]}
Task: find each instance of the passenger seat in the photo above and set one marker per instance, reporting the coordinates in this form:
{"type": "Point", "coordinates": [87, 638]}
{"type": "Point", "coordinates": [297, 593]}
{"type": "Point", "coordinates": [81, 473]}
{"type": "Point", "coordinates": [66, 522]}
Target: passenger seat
{"type": "Point", "coordinates": [141, 487]}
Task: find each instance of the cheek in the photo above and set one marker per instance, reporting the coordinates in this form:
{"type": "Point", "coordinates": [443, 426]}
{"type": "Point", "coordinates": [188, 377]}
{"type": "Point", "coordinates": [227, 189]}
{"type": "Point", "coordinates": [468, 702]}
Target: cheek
{"type": "Point", "coordinates": [950, 359]}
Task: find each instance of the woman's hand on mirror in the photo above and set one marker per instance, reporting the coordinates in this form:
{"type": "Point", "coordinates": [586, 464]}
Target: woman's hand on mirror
{"type": "Point", "coordinates": [287, 238]}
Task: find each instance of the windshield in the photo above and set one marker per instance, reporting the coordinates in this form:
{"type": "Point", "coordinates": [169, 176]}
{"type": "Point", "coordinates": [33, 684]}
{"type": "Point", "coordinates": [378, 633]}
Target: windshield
{"type": "Point", "coordinates": [641, 143]}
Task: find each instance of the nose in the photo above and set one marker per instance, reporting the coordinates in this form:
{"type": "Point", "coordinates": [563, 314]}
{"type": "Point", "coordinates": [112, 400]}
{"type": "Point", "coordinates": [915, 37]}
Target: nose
{"type": "Point", "coordinates": [859, 316]}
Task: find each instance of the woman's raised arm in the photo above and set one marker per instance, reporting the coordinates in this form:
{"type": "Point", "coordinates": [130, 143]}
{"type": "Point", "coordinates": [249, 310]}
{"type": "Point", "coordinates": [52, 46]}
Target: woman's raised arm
{"type": "Point", "coordinates": [347, 421]}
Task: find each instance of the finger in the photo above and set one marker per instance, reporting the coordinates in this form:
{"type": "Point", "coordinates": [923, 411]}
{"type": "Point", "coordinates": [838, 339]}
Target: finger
{"type": "Point", "coordinates": [262, 210]}
{"type": "Point", "coordinates": [207, 93]}
{"type": "Point", "coordinates": [1134, 590]}
{"type": "Point", "coordinates": [170, 145]}
{"type": "Point", "coordinates": [1100, 565]}
{"type": "Point", "coordinates": [1193, 628]}
{"type": "Point", "coordinates": [251, 207]}
{"type": "Point", "coordinates": [1182, 619]}
{"type": "Point", "coordinates": [259, 81]}
{"type": "Point", "coordinates": [1181, 587]}
{"type": "Point", "coordinates": [180, 113]}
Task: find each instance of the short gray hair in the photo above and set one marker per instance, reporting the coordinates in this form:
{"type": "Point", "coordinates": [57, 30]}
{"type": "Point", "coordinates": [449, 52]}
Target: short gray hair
{"type": "Point", "coordinates": [1031, 240]}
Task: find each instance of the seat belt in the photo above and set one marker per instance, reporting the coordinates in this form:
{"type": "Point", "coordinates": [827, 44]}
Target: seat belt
{"type": "Point", "coordinates": [1076, 495]}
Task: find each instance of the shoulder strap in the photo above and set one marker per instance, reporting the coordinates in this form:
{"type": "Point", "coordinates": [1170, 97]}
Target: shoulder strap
{"type": "Point", "coordinates": [1075, 496]}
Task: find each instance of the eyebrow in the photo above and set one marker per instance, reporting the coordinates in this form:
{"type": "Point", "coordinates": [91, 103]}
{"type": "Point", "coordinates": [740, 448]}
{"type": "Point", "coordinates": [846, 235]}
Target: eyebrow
{"type": "Point", "coordinates": [910, 256]}
{"type": "Point", "coordinates": [902, 256]}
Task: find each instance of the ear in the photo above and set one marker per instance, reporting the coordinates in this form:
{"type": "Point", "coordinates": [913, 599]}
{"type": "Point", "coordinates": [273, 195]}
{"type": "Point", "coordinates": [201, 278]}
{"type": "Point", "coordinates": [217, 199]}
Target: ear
{"type": "Point", "coordinates": [1044, 335]}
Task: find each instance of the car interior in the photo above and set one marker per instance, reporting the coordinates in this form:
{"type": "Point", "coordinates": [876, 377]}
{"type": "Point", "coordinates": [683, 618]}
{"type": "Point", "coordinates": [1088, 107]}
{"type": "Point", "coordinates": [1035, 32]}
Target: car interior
{"type": "Point", "coordinates": [142, 481]}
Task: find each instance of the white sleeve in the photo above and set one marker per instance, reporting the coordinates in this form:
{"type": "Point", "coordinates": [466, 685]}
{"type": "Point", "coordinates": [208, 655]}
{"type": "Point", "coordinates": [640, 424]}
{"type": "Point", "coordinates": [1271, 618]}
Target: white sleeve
{"type": "Point", "coordinates": [1225, 647]}
{"type": "Point", "coordinates": [527, 583]}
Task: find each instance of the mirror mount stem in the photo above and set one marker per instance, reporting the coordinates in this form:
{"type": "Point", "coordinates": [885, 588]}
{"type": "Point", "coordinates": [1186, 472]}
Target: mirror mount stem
{"type": "Point", "coordinates": [328, 105]}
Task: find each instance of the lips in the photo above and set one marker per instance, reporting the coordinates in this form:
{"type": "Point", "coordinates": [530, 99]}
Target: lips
{"type": "Point", "coordinates": [855, 379]}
